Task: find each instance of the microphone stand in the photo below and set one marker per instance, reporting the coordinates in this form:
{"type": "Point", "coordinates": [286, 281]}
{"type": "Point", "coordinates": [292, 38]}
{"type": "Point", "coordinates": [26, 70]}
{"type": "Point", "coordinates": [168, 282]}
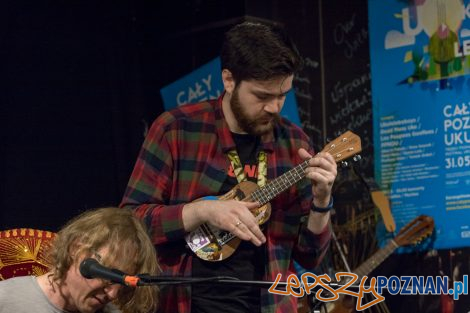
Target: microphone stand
{"type": "Point", "coordinates": [148, 280]}
{"type": "Point", "coordinates": [145, 280]}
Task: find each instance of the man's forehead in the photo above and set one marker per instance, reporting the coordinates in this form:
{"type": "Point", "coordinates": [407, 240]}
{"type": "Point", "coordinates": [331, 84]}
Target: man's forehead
{"type": "Point", "coordinates": [115, 259]}
{"type": "Point", "coordinates": [274, 86]}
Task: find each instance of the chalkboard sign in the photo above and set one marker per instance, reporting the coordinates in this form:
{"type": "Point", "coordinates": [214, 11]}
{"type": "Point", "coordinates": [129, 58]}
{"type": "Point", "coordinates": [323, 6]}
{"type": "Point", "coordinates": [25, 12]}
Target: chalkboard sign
{"type": "Point", "coordinates": [347, 74]}
{"type": "Point", "coordinates": [348, 106]}
{"type": "Point", "coordinates": [308, 93]}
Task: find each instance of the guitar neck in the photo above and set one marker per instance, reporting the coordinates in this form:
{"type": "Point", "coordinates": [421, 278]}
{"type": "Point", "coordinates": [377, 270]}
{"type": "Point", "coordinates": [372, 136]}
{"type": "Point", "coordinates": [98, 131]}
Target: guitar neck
{"type": "Point", "coordinates": [269, 191]}
{"type": "Point", "coordinates": [376, 259]}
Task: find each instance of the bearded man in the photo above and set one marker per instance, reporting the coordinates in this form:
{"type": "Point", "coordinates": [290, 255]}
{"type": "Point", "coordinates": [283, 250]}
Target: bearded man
{"type": "Point", "coordinates": [208, 148]}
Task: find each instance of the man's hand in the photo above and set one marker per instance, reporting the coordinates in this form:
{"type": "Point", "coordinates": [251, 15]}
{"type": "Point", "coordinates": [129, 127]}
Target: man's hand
{"type": "Point", "coordinates": [322, 171]}
{"type": "Point", "coordinates": [231, 215]}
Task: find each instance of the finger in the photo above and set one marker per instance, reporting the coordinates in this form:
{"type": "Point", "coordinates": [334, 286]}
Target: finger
{"type": "Point", "coordinates": [319, 172]}
{"type": "Point", "coordinates": [320, 184]}
{"type": "Point", "coordinates": [237, 231]}
{"type": "Point", "coordinates": [330, 159]}
{"type": "Point", "coordinates": [253, 227]}
{"type": "Point", "coordinates": [322, 160]}
{"type": "Point", "coordinates": [329, 173]}
{"type": "Point", "coordinates": [240, 230]}
{"type": "Point", "coordinates": [250, 205]}
{"type": "Point", "coordinates": [248, 219]}
{"type": "Point", "coordinates": [304, 154]}
{"type": "Point", "coordinates": [253, 232]}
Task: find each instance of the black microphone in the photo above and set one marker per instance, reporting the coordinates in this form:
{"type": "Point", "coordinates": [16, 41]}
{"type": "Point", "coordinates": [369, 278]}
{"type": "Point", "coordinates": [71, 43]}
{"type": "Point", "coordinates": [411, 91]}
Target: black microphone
{"type": "Point", "coordinates": [91, 268]}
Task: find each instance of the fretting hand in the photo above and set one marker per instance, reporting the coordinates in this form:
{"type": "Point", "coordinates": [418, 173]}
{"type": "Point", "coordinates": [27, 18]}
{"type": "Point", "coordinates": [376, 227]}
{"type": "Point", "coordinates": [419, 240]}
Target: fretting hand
{"type": "Point", "coordinates": [322, 171]}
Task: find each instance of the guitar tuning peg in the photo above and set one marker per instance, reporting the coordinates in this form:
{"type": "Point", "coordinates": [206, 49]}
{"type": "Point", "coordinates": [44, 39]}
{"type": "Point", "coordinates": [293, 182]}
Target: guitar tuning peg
{"type": "Point", "coordinates": [344, 164]}
{"type": "Point", "coordinates": [328, 139]}
{"type": "Point", "coordinates": [357, 158]}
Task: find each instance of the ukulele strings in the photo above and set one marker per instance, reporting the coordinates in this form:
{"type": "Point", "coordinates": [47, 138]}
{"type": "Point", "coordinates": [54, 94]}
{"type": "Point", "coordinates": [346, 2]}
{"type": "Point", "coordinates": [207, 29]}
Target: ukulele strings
{"type": "Point", "coordinates": [266, 193]}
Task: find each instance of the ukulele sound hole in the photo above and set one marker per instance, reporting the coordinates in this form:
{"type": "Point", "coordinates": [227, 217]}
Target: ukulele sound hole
{"type": "Point", "coordinates": [239, 194]}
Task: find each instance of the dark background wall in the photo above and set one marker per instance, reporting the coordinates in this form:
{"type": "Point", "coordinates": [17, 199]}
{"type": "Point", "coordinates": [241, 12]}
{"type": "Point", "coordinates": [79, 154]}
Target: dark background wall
{"type": "Point", "coordinates": [79, 85]}
{"type": "Point", "coordinates": [80, 81]}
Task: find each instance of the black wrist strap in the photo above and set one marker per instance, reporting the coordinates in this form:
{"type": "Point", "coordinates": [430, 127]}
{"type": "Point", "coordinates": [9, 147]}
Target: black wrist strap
{"type": "Point", "coordinates": [323, 210]}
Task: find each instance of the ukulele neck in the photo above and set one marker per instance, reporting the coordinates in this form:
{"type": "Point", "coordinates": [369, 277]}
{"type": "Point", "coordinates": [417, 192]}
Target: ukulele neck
{"type": "Point", "coordinates": [269, 191]}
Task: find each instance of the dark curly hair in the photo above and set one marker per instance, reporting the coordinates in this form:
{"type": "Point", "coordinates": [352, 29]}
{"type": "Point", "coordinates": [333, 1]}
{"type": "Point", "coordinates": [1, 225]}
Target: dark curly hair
{"type": "Point", "coordinates": [255, 51]}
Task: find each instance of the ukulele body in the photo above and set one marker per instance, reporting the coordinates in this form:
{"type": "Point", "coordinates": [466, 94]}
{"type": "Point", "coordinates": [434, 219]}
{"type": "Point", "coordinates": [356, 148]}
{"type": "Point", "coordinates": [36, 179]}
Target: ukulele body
{"type": "Point", "coordinates": [212, 244]}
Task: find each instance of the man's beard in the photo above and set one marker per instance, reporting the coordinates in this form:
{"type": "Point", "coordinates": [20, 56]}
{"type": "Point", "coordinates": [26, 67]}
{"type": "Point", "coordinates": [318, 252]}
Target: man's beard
{"type": "Point", "coordinates": [253, 126]}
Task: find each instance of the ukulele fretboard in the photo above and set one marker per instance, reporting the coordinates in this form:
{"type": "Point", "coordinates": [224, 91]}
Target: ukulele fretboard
{"type": "Point", "coordinates": [269, 191]}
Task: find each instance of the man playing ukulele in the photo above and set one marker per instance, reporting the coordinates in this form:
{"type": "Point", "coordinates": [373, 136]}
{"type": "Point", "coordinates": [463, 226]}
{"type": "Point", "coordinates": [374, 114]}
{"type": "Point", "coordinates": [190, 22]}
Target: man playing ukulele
{"type": "Point", "coordinates": [208, 148]}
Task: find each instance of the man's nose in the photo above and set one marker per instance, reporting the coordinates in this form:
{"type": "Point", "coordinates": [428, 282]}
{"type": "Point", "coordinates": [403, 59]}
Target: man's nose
{"type": "Point", "coordinates": [273, 106]}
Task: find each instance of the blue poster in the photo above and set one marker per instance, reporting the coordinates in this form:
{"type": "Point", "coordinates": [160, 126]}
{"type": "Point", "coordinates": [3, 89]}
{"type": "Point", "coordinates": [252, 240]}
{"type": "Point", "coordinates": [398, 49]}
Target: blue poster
{"type": "Point", "coordinates": [206, 83]}
{"type": "Point", "coordinates": [420, 66]}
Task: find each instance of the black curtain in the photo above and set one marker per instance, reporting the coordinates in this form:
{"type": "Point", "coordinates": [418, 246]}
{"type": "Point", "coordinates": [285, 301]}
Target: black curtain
{"type": "Point", "coordinates": [79, 86]}
{"type": "Point", "coordinates": [71, 108]}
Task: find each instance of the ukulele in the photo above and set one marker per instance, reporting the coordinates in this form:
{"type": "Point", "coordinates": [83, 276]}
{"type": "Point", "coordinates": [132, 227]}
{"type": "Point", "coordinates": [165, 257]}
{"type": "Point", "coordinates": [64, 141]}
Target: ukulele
{"type": "Point", "coordinates": [213, 244]}
{"type": "Point", "coordinates": [412, 233]}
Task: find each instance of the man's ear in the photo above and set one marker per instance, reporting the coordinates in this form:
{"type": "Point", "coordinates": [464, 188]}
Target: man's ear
{"type": "Point", "coordinates": [229, 82]}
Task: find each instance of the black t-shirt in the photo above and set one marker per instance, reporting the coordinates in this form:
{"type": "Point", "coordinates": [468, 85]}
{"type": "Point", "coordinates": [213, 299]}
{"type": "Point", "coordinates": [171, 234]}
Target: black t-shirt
{"type": "Point", "coordinates": [246, 263]}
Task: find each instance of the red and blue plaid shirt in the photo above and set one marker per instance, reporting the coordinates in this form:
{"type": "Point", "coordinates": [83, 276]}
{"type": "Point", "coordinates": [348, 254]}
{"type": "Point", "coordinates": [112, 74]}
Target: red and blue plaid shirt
{"type": "Point", "coordinates": [183, 158]}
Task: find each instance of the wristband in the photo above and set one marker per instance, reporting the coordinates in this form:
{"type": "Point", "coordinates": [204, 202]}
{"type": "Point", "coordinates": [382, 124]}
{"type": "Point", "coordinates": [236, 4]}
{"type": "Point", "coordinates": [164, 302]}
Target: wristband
{"type": "Point", "coordinates": [323, 210]}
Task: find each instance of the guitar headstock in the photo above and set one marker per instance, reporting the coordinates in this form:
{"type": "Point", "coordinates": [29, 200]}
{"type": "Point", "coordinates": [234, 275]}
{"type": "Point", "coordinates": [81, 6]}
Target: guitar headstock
{"type": "Point", "coordinates": [418, 229]}
{"type": "Point", "coordinates": [346, 145]}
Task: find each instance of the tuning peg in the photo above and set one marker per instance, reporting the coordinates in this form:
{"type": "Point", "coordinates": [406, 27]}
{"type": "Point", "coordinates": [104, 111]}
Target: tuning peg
{"type": "Point", "coordinates": [328, 139]}
{"type": "Point", "coordinates": [344, 164]}
{"type": "Point", "coordinates": [357, 157]}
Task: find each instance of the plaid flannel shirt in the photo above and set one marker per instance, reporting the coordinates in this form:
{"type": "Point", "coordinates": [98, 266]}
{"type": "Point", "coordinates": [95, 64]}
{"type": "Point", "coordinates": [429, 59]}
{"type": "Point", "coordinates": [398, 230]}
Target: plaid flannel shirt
{"type": "Point", "coordinates": [183, 158]}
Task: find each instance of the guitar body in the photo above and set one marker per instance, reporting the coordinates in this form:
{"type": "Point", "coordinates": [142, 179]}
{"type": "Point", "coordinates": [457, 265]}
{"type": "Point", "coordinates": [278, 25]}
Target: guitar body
{"type": "Point", "coordinates": [412, 233]}
{"type": "Point", "coordinates": [212, 244]}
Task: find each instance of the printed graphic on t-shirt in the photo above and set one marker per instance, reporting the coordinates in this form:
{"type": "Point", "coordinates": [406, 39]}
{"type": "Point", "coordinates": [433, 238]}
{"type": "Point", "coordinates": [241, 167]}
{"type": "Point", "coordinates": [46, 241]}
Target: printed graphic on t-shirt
{"type": "Point", "coordinates": [251, 171]}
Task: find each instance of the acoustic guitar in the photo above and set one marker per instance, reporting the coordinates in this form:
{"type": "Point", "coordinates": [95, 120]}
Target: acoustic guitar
{"type": "Point", "coordinates": [415, 231]}
{"type": "Point", "coordinates": [213, 244]}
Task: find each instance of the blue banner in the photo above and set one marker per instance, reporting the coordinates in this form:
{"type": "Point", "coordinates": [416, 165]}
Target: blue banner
{"type": "Point", "coordinates": [420, 65]}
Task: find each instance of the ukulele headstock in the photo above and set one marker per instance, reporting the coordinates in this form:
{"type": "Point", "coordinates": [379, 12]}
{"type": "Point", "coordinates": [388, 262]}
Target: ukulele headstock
{"type": "Point", "coordinates": [345, 146]}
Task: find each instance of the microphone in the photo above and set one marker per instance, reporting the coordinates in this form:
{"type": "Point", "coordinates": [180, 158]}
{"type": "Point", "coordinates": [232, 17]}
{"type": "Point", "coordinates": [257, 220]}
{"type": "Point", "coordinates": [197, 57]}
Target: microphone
{"type": "Point", "coordinates": [91, 268]}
